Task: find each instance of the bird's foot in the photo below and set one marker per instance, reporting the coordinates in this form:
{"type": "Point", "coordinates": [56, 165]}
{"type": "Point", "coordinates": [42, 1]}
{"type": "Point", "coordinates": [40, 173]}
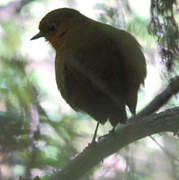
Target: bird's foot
{"type": "Point", "coordinates": [110, 133]}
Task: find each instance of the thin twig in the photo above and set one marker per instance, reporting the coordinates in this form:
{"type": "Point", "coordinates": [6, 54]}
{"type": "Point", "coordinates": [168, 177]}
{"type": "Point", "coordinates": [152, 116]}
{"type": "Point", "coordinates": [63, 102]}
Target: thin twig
{"type": "Point", "coordinates": [172, 156]}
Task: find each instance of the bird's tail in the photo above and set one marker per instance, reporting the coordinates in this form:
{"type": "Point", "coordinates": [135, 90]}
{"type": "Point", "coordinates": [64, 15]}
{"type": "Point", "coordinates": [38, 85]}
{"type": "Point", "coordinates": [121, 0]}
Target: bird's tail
{"type": "Point", "coordinates": [118, 115]}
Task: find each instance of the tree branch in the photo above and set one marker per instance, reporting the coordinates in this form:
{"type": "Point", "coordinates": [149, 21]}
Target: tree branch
{"type": "Point", "coordinates": [95, 153]}
{"type": "Point", "coordinates": [161, 99]}
{"type": "Point", "coordinates": [155, 123]}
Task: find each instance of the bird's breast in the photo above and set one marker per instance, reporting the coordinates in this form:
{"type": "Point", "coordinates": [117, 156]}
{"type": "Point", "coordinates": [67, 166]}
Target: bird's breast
{"type": "Point", "coordinates": [59, 73]}
{"type": "Point", "coordinates": [70, 83]}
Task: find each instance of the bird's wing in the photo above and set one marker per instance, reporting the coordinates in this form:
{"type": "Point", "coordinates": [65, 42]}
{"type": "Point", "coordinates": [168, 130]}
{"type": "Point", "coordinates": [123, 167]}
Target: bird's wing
{"type": "Point", "coordinates": [113, 62]}
{"type": "Point", "coordinates": [134, 66]}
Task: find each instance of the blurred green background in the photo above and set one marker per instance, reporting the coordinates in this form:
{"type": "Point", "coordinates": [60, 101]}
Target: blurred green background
{"type": "Point", "coordinates": [39, 132]}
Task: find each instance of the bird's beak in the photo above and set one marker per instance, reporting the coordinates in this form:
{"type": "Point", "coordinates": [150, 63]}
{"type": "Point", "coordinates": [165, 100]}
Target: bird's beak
{"type": "Point", "coordinates": [39, 35]}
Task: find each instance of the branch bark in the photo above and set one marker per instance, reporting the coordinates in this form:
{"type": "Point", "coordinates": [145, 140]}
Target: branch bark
{"type": "Point", "coordinates": [95, 153]}
{"type": "Point", "coordinates": [162, 98]}
{"type": "Point", "coordinates": [144, 125]}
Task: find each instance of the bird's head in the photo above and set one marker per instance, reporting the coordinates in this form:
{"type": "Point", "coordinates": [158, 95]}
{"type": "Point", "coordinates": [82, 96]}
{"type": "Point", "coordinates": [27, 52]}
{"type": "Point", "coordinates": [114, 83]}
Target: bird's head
{"type": "Point", "coordinates": [56, 24]}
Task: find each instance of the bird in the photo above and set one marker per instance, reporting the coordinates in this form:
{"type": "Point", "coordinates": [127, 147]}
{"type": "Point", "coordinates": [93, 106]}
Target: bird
{"type": "Point", "coordinates": [98, 68]}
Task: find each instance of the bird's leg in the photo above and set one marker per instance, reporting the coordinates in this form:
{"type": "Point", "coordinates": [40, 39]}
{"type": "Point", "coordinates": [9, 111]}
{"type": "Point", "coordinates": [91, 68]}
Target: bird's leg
{"type": "Point", "coordinates": [95, 134]}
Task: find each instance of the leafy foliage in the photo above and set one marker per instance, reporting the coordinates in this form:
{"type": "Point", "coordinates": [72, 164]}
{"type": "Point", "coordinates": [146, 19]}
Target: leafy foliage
{"type": "Point", "coordinates": [164, 26]}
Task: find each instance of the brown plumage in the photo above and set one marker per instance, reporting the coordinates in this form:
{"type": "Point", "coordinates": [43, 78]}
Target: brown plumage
{"type": "Point", "coordinates": [98, 68]}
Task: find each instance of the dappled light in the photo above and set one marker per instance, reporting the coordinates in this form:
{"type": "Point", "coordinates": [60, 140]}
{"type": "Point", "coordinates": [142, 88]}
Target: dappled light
{"type": "Point", "coordinates": [41, 134]}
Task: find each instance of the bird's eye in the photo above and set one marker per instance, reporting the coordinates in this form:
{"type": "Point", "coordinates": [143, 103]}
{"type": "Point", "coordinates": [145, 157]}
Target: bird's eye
{"type": "Point", "coordinates": [52, 28]}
